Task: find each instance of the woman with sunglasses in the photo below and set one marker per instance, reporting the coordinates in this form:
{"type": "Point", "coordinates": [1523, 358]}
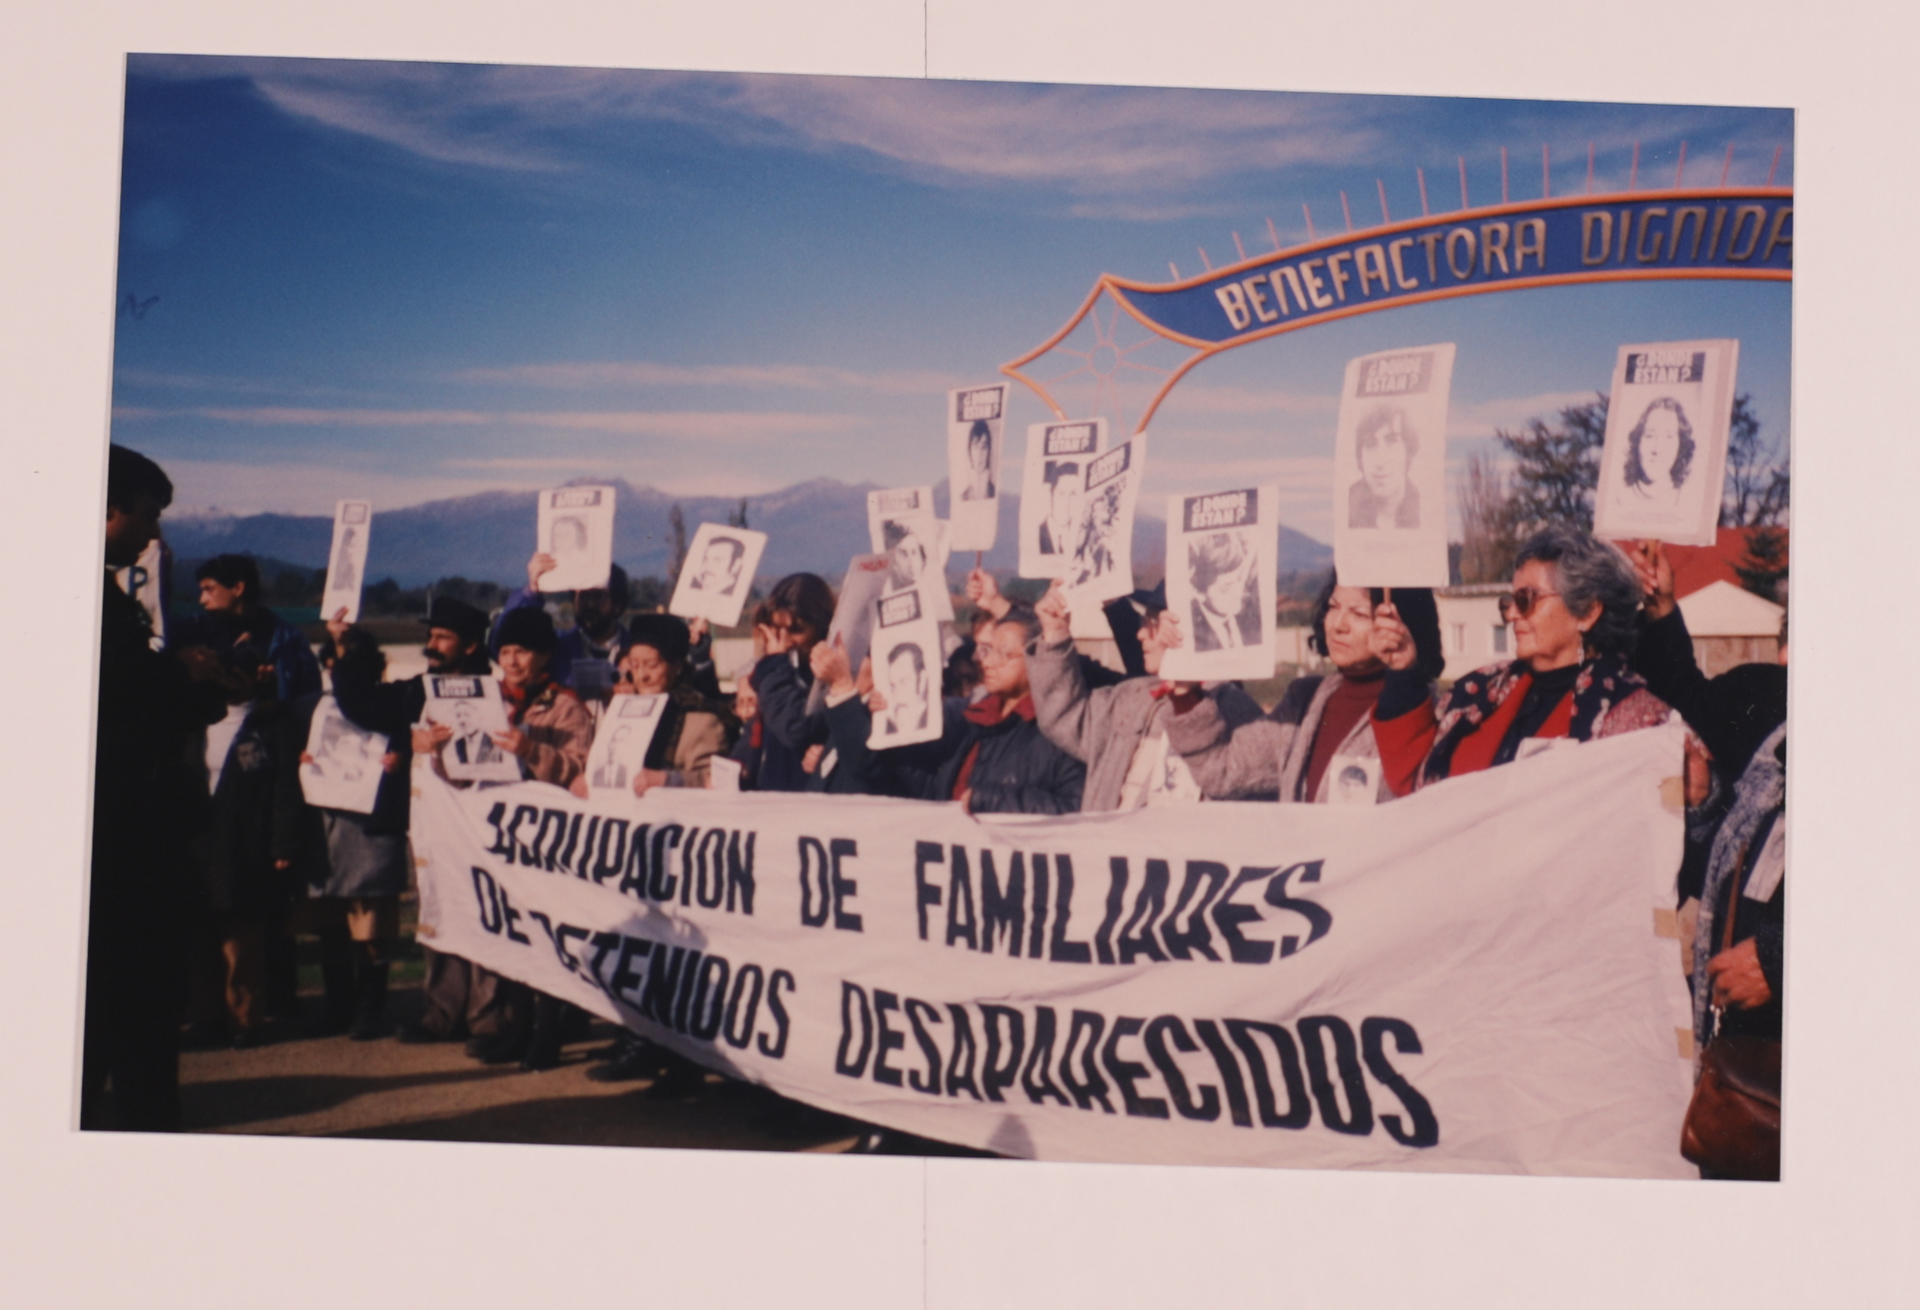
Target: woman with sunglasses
{"type": "Point", "coordinates": [1574, 610]}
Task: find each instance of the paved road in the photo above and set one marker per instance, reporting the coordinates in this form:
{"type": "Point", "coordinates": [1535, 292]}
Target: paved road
{"type": "Point", "coordinates": [333, 1087]}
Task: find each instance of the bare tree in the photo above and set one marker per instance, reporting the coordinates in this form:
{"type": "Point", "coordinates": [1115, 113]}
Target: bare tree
{"type": "Point", "coordinates": [677, 533]}
{"type": "Point", "coordinates": [1487, 520]}
{"type": "Point", "coordinates": [1757, 489]}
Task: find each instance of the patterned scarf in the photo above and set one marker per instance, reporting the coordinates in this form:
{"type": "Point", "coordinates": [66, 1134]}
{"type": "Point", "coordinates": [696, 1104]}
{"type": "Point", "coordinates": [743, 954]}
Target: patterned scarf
{"type": "Point", "coordinates": [1761, 791]}
{"type": "Point", "coordinates": [1603, 683]}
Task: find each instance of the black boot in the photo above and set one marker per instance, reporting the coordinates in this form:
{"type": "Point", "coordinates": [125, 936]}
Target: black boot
{"type": "Point", "coordinates": [543, 1042]}
{"type": "Point", "coordinates": [338, 982]}
{"type": "Point", "coordinates": [369, 1001]}
{"type": "Point", "coordinates": [633, 1057]}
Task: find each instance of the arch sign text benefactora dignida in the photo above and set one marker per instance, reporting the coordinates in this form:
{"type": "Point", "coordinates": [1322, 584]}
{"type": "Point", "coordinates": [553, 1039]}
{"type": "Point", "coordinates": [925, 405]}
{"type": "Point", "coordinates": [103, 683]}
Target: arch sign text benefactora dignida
{"type": "Point", "coordinates": [1710, 233]}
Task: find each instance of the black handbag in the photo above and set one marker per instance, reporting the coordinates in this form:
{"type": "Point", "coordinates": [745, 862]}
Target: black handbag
{"type": "Point", "coordinates": [1732, 1128]}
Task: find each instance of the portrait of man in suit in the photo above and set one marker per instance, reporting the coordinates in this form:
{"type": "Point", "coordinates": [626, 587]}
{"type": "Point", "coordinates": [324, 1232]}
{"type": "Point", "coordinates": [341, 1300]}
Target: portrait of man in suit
{"type": "Point", "coordinates": [612, 775]}
{"type": "Point", "coordinates": [471, 743]}
{"type": "Point", "coordinates": [907, 700]}
{"type": "Point", "coordinates": [720, 566]}
{"type": "Point", "coordinates": [1062, 477]}
{"type": "Point", "coordinates": [1226, 606]}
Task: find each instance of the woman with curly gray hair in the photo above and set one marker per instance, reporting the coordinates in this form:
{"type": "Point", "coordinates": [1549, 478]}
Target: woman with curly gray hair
{"type": "Point", "coordinates": [1573, 610]}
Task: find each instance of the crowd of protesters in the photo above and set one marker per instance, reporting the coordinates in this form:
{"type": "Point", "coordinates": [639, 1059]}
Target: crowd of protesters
{"type": "Point", "coordinates": [208, 859]}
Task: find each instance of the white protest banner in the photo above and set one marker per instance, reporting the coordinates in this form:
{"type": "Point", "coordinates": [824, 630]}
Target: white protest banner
{"type": "Point", "coordinates": [1100, 565]}
{"type": "Point", "coordinates": [1664, 461]}
{"type": "Point", "coordinates": [576, 528]}
{"type": "Point", "coordinates": [976, 422]}
{"type": "Point", "coordinates": [347, 560]}
{"type": "Point", "coordinates": [472, 708]}
{"type": "Point", "coordinates": [1222, 552]}
{"type": "Point", "coordinates": [723, 774]}
{"type": "Point", "coordinates": [901, 524]}
{"type": "Point", "coordinates": [906, 671]}
{"type": "Point", "coordinates": [620, 743]}
{"type": "Point", "coordinates": [1470, 979]}
{"type": "Point", "coordinates": [852, 625]}
{"type": "Point", "coordinates": [1390, 469]}
{"type": "Point", "coordinates": [343, 764]}
{"type": "Point", "coordinates": [1056, 476]}
{"type": "Point", "coordinates": [717, 574]}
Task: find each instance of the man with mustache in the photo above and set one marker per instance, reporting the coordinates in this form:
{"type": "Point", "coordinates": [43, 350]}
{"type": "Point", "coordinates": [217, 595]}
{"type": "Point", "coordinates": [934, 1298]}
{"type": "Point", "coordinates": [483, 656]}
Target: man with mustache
{"type": "Point", "coordinates": [462, 999]}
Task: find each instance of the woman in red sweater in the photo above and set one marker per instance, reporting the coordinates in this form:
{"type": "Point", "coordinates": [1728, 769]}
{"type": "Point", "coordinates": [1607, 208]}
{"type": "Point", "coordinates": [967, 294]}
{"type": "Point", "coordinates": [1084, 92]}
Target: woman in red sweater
{"type": "Point", "coordinates": [1574, 614]}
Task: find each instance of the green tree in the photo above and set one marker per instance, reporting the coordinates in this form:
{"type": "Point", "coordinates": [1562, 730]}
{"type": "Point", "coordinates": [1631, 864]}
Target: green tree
{"type": "Point", "coordinates": [1556, 467]}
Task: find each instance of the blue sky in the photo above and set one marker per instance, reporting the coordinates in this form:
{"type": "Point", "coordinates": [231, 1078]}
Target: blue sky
{"type": "Point", "coordinates": [407, 281]}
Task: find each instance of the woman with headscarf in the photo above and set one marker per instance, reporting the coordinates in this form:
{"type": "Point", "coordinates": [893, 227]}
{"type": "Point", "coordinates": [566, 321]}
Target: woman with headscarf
{"type": "Point", "coordinates": [1574, 609]}
{"type": "Point", "coordinates": [549, 731]}
{"type": "Point", "coordinates": [692, 728]}
{"type": "Point", "coordinates": [1321, 719]}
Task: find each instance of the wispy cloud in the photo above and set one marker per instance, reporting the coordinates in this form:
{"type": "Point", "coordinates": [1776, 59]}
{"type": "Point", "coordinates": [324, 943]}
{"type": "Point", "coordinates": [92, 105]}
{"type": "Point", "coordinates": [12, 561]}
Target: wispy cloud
{"type": "Point", "coordinates": [1093, 142]}
{"type": "Point", "coordinates": [704, 425]}
{"type": "Point", "coordinates": [171, 381]}
{"type": "Point", "coordinates": [251, 486]}
{"type": "Point", "coordinates": [203, 487]}
{"type": "Point", "coordinates": [1200, 398]}
{"type": "Point", "coordinates": [650, 373]}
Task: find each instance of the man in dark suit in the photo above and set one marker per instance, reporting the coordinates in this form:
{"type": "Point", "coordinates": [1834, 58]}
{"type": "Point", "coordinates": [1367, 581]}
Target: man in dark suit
{"type": "Point", "coordinates": [147, 804]}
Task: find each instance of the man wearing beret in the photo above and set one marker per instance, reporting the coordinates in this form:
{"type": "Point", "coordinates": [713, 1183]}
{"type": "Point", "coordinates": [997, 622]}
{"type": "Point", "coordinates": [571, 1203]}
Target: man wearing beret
{"type": "Point", "coordinates": [462, 999]}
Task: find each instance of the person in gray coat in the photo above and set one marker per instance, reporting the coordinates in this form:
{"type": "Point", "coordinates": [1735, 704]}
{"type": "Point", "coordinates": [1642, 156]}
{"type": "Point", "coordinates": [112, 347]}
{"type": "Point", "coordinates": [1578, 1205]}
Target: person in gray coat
{"type": "Point", "coordinates": [1106, 727]}
{"type": "Point", "coordinates": [1320, 719]}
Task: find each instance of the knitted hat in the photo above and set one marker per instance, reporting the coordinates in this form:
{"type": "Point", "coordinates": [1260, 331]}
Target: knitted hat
{"type": "Point", "coordinates": [666, 633]}
{"type": "Point", "coordinates": [531, 628]}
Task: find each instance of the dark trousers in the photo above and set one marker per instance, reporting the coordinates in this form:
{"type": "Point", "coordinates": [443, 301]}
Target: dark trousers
{"type": "Point", "coordinates": [130, 1052]}
{"type": "Point", "coordinates": [463, 996]}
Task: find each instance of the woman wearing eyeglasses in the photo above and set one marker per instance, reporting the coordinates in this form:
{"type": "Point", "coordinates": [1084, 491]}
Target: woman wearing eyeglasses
{"type": "Point", "coordinates": [1574, 610]}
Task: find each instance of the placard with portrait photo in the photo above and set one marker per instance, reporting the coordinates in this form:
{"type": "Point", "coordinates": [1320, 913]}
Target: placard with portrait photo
{"type": "Point", "coordinates": [146, 580]}
{"type": "Point", "coordinates": [472, 707]}
{"type": "Point", "coordinates": [902, 526]}
{"type": "Point", "coordinates": [1100, 563]}
{"type": "Point", "coordinates": [1222, 553]}
{"type": "Point", "coordinates": [976, 426]}
{"type": "Point", "coordinates": [717, 574]}
{"type": "Point", "coordinates": [853, 611]}
{"type": "Point", "coordinates": [620, 743]}
{"type": "Point", "coordinates": [1663, 463]}
{"type": "Point", "coordinates": [906, 671]}
{"type": "Point", "coordinates": [1390, 469]}
{"type": "Point", "coordinates": [1050, 492]}
{"type": "Point", "coordinates": [576, 528]}
{"type": "Point", "coordinates": [343, 763]}
{"type": "Point", "coordinates": [347, 560]}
